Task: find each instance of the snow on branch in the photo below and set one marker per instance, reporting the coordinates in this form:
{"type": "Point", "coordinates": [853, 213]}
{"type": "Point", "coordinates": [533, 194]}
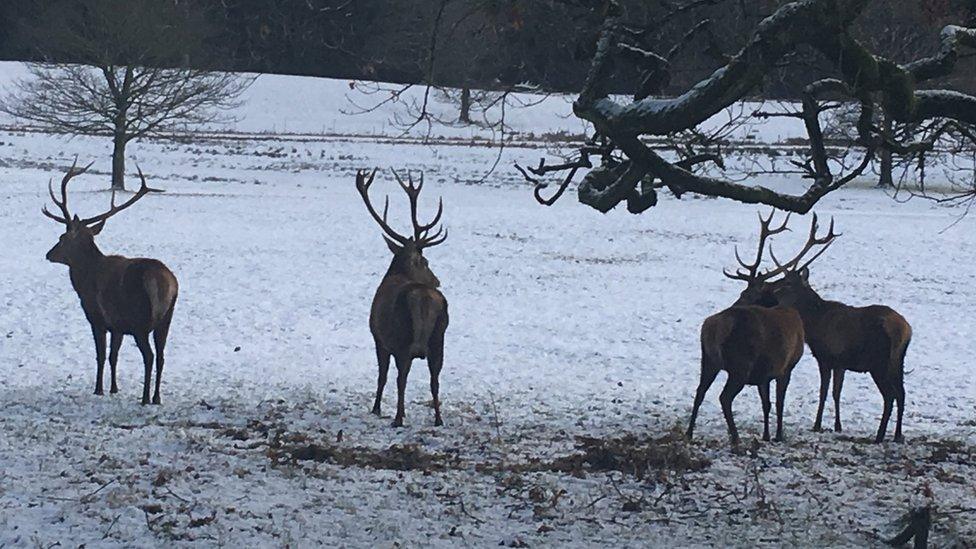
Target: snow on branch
{"type": "Point", "coordinates": [868, 80]}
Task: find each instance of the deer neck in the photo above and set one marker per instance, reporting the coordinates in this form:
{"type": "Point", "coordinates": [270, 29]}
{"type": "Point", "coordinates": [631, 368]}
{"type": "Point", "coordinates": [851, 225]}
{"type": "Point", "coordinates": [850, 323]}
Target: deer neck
{"type": "Point", "coordinates": [84, 270]}
{"type": "Point", "coordinates": [810, 306]}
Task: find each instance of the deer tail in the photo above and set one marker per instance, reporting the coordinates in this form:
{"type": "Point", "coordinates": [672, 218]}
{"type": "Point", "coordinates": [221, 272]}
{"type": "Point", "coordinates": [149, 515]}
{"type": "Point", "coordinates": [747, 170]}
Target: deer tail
{"type": "Point", "coordinates": [715, 331]}
{"type": "Point", "coordinates": [899, 334]}
{"type": "Point", "coordinates": [425, 307]}
{"type": "Point", "coordinates": [162, 288]}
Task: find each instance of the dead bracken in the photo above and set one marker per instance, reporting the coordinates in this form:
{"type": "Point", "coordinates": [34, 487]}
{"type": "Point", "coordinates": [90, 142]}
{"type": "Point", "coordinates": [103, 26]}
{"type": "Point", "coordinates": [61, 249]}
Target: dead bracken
{"type": "Point", "coordinates": [398, 457]}
{"type": "Point", "coordinates": [631, 455]}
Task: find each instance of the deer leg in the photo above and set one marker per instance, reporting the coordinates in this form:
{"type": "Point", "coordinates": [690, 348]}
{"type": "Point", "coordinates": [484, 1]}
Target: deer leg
{"type": "Point", "coordinates": [899, 388]}
{"type": "Point", "coordinates": [733, 385]}
{"type": "Point", "coordinates": [838, 385]}
{"type": "Point", "coordinates": [887, 394]}
{"type": "Point", "coordinates": [708, 374]}
{"type": "Point", "coordinates": [824, 385]}
{"type": "Point", "coordinates": [781, 385]}
{"type": "Point", "coordinates": [142, 341]}
{"type": "Point", "coordinates": [99, 334]}
{"type": "Point", "coordinates": [113, 357]}
{"type": "Point", "coordinates": [383, 360]}
{"type": "Point", "coordinates": [766, 406]}
{"type": "Point", "coordinates": [159, 340]}
{"type": "Point", "coordinates": [435, 360]}
{"type": "Point", "coordinates": [403, 369]}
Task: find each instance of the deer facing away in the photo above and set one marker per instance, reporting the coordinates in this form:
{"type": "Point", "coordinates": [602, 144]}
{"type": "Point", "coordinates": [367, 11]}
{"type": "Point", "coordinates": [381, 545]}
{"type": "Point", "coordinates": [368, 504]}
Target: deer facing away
{"type": "Point", "coordinates": [754, 341]}
{"type": "Point", "coordinates": [408, 316]}
{"type": "Point", "coordinates": [119, 295]}
{"type": "Point", "coordinates": [871, 339]}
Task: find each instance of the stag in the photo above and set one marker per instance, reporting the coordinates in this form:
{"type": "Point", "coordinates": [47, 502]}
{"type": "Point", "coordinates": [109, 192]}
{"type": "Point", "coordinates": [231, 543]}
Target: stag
{"type": "Point", "coordinates": [755, 341]}
{"type": "Point", "coordinates": [870, 339]}
{"type": "Point", "coordinates": [408, 317]}
{"type": "Point", "coordinates": [119, 295]}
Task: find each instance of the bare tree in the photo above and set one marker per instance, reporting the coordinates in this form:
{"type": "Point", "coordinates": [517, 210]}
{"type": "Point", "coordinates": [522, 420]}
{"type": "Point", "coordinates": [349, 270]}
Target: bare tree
{"type": "Point", "coordinates": [120, 68]}
{"type": "Point", "coordinates": [632, 170]}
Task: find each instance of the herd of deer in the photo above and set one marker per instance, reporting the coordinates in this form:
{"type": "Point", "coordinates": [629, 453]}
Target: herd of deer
{"type": "Point", "coordinates": [758, 339]}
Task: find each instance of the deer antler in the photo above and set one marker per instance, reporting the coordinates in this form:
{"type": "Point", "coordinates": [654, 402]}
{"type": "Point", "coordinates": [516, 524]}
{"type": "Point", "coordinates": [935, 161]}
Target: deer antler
{"type": "Point", "coordinates": [113, 209]}
{"type": "Point", "coordinates": [421, 231]}
{"type": "Point", "coordinates": [812, 241]}
{"type": "Point", "coordinates": [751, 272]}
{"type": "Point", "coordinates": [362, 185]}
{"type": "Point", "coordinates": [63, 203]}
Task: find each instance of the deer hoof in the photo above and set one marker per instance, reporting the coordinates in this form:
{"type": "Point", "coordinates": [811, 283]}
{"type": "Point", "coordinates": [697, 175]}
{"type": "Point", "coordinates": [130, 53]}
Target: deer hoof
{"type": "Point", "coordinates": [398, 422]}
{"type": "Point", "coordinates": [438, 422]}
{"type": "Point", "coordinates": [114, 390]}
{"type": "Point", "coordinates": [817, 429]}
{"type": "Point", "coordinates": [145, 401]}
{"type": "Point", "coordinates": [99, 392]}
{"type": "Point", "coordinates": [155, 400]}
{"type": "Point", "coordinates": [899, 439]}
{"type": "Point", "coordinates": [375, 411]}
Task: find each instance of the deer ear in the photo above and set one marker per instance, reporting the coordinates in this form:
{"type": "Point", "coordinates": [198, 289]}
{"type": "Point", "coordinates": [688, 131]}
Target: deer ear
{"type": "Point", "coordinates": [392, 245]}
{"type": "Point", "coordinates": [97, 228]}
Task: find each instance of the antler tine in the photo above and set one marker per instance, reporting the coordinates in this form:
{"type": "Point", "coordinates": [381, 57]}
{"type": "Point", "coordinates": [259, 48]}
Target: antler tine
{"type": "Point", "coordinates": [63, 203]}
{"type": "Point", "coordinates": [826, 241]}
{"type": "Point", "coordinates": [362, 185]}
{"type": "Point", "coordinates": [144, 189]}
{"type": "Point", "coordinates": [436, 239]}
{"type": "Point", "coordinates": [766, 230]}
{"type": "Point", "coordinates": [420, 230]}
{"type": "Point", "coordinates": [812, 241]}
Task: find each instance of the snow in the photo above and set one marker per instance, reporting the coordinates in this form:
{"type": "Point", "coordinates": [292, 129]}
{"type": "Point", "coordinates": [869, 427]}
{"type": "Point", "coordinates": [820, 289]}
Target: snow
{"type": "Point", "coordinates": [564, 323]}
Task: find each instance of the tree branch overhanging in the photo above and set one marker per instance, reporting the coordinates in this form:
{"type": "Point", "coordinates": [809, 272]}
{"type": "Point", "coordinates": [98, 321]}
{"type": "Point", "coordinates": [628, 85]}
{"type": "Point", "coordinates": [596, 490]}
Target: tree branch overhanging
{"type": "Point", "coordinates": [869, 80]}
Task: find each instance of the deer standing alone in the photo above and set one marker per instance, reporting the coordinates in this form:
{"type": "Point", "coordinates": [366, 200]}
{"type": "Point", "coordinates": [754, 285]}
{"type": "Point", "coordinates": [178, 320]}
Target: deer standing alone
{"type": "Point", "coordinates": [119, 295]}
{"type": "Point", "coordinates": [870, 339]}
{"type": "Point", "coordinates": [408, 317]}
{"type": "Point", "coordinates": [754, 341]}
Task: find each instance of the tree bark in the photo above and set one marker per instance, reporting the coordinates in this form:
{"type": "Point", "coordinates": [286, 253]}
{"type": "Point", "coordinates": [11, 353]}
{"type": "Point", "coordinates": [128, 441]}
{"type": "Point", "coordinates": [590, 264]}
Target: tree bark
{"type": "Point", "coordinates": [119, 141]}
{"type": "Point", "coordinates": [118, 162]}
{"type": "Point", "coordinates": [465, 117]}
{"type": "Point", "coordinates": [886, 179]}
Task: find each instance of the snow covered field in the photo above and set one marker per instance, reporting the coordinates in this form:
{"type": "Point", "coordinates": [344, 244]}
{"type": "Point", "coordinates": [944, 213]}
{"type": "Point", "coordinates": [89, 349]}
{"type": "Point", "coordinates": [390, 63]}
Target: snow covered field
{"type": "Point", "coordinates": [570, 332]}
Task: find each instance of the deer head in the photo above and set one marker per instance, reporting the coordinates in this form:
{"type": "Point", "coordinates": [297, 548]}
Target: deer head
{"type": "Point", "coordinates": [794, 287]}
{"type": "Point", "coordinates": [78, 240]}
{"type": "Point", "coordinates": [758, 290]}
{"type": "Point", "coordinates": [408, 256]}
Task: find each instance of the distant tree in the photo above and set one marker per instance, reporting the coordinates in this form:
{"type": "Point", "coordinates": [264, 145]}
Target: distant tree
{"type": "Point", "coordinates": [118, 69]}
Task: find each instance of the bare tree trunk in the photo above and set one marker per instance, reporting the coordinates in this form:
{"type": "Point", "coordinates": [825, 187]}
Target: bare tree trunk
{"type": "Point", "coordinates": [465, 106]}
{"type": "Point", "coordinates": [886, 179]}
{"type": "Point", "coordinates": [118, 163]}
{"type": "Point", "coordinates": [119, 140]}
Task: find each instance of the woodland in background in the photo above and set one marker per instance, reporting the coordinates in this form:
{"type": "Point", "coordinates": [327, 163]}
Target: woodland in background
{"type": "Point", "coordinates": [497, 44]}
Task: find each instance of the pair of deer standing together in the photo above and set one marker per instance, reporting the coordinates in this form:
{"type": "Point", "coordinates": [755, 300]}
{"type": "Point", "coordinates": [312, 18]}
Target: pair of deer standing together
{"type": "Point", "coordinates": [136, 297]}
{"type": "Point", "coordinates": [760, 338]}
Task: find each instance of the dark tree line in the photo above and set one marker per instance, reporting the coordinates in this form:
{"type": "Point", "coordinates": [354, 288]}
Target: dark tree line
{"type": "Point", "coordinates": [495, 44]}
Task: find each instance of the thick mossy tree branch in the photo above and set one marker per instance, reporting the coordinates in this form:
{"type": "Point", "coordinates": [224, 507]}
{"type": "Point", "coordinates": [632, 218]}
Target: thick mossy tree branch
{"type": "Point", "coordinates": [820, 24]}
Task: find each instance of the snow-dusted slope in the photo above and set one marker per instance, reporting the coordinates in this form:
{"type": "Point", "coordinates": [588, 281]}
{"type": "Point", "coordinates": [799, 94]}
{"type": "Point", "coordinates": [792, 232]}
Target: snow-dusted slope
{"type": "Point", "coordinates": [564, 323]}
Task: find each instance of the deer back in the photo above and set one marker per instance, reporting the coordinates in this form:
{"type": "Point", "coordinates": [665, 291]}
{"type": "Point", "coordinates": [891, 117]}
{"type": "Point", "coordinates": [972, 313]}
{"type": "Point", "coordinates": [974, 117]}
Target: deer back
{"type": "Point", "coordinates": [752, 335]}
{"type": "Point", "coordinates": [405, 312]}
{"type": "Point", "coordinates": [855, 336]}
{"type": "Point", "coordinates": [131, 295]}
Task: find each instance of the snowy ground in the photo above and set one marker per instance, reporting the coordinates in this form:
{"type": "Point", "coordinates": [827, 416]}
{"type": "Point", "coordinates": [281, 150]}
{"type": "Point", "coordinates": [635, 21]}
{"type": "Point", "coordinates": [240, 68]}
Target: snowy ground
{"type": "Point", "coordinates": [569, 330]}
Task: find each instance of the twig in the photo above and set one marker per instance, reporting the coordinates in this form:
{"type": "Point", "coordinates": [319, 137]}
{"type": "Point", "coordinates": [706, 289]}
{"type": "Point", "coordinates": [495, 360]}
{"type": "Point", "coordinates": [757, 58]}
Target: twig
{"type": "Point", "coordinates": [110, 526]}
